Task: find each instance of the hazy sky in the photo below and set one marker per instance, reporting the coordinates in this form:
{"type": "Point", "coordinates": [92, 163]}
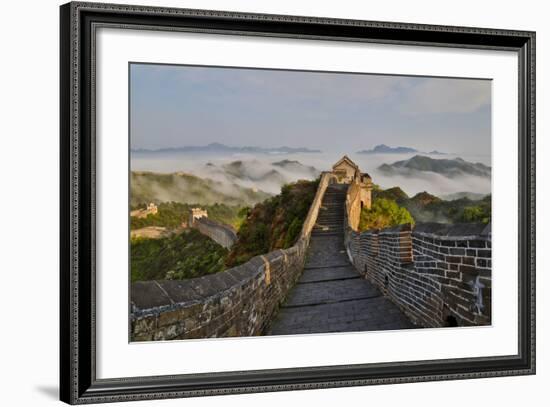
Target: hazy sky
{"type": "Point", "coordinates": [175, 106]}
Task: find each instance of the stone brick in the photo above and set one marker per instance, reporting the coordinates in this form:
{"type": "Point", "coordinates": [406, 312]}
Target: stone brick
{"type": "Point", "coordinates": [482, 262]}
{"type": "Point", "coordinates": [146, 337]}
{"type": "Point", "coordinates": [168, 332]}
{"type": "Point", "coordinates": [484, 253]}
{"type": "Point", "coordinates": [170, 317]}
{"type": "Point", "coordinates": [453, 259]}
{"type": "Point", "coordinates": [144, 325]}
{"type": "Point", "coordinates": [453, 274]}
{"type": "Point", "coordinates": [477, 243]}
{"type": "Point", "coordinates": [484, 273]}
{"type": "Point", "coordinates": [464, 268]}
{"type": "Point", "coordinates": [469, 261]}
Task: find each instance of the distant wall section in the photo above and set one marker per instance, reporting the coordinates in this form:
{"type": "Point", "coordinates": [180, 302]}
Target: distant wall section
{"type": "Point", "coordinates": [222, 234]}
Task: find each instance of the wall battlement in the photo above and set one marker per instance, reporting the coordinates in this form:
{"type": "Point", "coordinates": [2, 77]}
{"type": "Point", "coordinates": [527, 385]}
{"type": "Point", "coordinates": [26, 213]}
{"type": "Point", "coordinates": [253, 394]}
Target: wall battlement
{"type": "Point", "coordinates": [236, 302]}
{"type": "Point", "coordinates": [439, 275]}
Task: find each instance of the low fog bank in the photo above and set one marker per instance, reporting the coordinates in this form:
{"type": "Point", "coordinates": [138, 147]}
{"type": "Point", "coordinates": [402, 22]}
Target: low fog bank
{"type": "Point", "coordinates": [259, 172]}
{"type": "Point", "coordinates": [186, 188]}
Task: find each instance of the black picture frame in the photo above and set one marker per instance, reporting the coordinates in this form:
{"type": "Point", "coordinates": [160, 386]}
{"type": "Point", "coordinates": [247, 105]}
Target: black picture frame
{"type": "Point", "coordinates": [78, 382]}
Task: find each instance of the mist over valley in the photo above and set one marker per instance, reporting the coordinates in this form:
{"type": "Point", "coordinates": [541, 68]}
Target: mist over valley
{"type": "Point", "coordinates": [233, 173]}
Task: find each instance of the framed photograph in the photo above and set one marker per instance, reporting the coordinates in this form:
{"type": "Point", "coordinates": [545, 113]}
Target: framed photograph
{"type": "Point", "coordinates": [255, 203]}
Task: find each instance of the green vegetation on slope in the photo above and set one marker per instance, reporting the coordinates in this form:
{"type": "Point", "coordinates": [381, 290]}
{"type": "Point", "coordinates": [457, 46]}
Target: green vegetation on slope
{"type": "Point", "coordinates": [477, 213]}
{"type": "Point", "coordinates": [384, 213]}
{"type": "Point", "coordinates": [273, 224]}
{"type": "Point", "coordinates": [395, 193]}
{"type": "Point", "coordinates": [172, 214]}
{"type": "Point", "coordinates": [425, 207]}
{"type": "Point", "coordinates": [186, 255]}
{"type": "Point", "coordinates": [428, 208]}
{"type": "Point", "coordinates": [187, 188]}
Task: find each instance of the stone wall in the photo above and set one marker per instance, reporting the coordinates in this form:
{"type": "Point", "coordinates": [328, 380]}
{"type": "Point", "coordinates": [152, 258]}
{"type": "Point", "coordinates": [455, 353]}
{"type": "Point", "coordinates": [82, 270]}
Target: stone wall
{"type": "Point", "coordinates": [358, 197]}
{"type": "Point", "coordinates": [240, 301]}
{"type": "Point", "coordinates": [353, 205]}
{"type": "Point", "coordinates": [222, 234]}
{"type": "Point", "coordinates": [151, 209]}
{"type": "Point", "coordinates": [327, 178]}
{"type": "Point", "coordinates": [439, 275]}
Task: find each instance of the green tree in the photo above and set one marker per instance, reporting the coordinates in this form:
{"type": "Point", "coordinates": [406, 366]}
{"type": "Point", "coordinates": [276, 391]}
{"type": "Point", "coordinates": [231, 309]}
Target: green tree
{"type": "Point", "coordinates": [476, 214]}
{"type": "Point", "coordinates": [384, 213]}
{"type": "Point", "coordinates": [293, 231]}
{"type": "Point", "coordinates": [274, 223]}
{"type": "Point", "coordinates": [186, 255]}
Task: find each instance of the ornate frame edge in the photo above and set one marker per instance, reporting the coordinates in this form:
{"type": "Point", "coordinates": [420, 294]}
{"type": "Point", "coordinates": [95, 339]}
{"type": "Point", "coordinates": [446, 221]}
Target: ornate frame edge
{"type": "Point", "coordinates": [71, 385]}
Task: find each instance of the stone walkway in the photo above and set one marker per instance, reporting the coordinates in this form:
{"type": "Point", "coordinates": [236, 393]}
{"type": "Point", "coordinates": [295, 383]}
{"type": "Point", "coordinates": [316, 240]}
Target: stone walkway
{"type": "Point", "coordinates": [330, 295]}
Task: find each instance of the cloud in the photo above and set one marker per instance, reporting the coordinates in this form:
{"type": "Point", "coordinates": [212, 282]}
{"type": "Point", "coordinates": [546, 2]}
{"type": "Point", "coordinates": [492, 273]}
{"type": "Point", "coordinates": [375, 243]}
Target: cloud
{"type": "Point", "coordinates": [432, 96]}
{"type": "Point", "coordinates": [252, 85]}
{"type": "Point", "coordinates": [182, 105]}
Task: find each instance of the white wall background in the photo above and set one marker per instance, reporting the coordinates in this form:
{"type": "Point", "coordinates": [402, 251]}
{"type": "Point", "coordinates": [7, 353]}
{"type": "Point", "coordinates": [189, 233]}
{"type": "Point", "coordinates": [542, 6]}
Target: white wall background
{"type": "Point", "coordinates": [29, 201]}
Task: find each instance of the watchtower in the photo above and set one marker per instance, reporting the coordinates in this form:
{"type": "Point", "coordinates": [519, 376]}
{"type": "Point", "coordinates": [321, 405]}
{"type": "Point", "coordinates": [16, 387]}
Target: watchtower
{"type": "Point", "coordinates": [347, 172]}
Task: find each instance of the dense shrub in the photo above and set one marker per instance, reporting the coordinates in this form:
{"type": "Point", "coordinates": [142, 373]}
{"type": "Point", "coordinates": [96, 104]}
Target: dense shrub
{"type": "Point", "coordinates": [384, 213]}
{"type": "Point", "coordinates": [273, 224]}
{"type": "Point", "coordinates": [185, 255]}
{"type": "Point", "coordinates": [425, 207]}
{"type": "Point", "coordinates": [428, 208]}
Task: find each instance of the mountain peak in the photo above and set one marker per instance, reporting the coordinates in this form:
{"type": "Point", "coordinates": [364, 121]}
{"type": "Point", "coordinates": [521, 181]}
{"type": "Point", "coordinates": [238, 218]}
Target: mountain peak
{"type": "Point", "coordinates": [449, 168]}
{"type": "Point", "coordinates": [384, 149]}
{"type": "Point", "coordinates": [424, 198]}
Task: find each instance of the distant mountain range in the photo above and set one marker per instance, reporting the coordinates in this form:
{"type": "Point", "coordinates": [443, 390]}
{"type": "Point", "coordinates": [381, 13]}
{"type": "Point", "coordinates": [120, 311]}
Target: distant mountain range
{"type": "Point", "coordinates": [219, 148]}
{"type": "Point", "coordinates": [384, 149]}
{"type": "Point", "coordinates": [449, 168]}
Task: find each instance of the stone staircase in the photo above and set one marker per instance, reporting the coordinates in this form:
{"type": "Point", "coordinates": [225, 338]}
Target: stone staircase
{"type": "Point", "coordinates": [330, 220]}
{"type": "Point", "coordinates": [330, 295]}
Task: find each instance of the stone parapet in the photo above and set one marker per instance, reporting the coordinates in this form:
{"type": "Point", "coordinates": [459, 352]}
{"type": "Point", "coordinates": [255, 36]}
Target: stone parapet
{"type": "Point", "coordinates": [240, 301]}
{"type": "Point", "coordinates": [438, 274]}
